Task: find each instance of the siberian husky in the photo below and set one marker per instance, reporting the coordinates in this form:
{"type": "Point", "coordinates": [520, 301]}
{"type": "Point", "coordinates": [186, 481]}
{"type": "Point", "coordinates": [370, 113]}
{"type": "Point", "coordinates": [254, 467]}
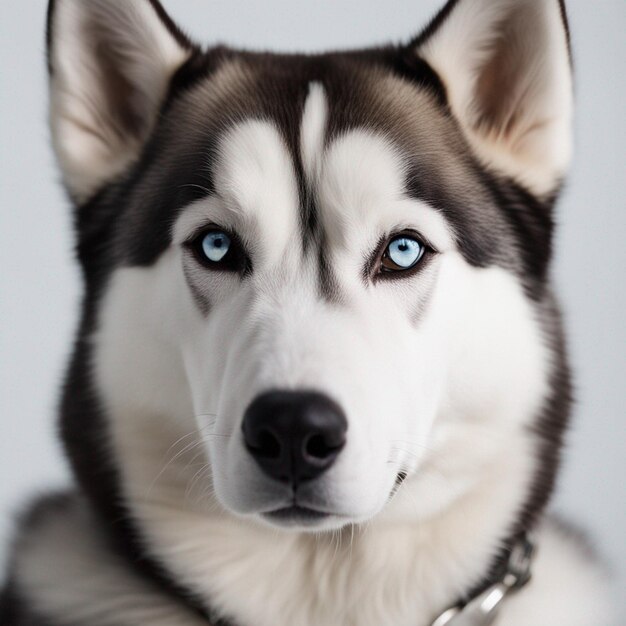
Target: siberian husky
{"type": "Point", "coordinates": [320, 377]}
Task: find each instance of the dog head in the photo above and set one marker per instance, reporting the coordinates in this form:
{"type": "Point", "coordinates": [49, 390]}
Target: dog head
{"type": "Point", "coordinates": [327, 273]}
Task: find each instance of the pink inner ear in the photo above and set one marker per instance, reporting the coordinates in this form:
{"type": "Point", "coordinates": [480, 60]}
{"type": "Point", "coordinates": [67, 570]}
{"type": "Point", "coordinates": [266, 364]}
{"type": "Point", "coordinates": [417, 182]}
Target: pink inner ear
{"type": "Point", "coordinates": [511, 77]}
{"type": "Point", "coordinates": [497, 96]}
{"type": "Point", "coordinates": [119, 95]}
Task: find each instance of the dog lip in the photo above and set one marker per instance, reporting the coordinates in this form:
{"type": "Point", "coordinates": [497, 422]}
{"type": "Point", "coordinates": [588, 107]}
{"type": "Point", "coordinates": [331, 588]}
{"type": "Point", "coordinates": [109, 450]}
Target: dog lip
{"type": "Point", "coordinates": [297, 513]}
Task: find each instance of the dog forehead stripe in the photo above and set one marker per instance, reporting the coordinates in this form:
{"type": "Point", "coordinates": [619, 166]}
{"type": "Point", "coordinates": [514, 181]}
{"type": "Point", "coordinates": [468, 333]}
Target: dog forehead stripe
{"type": "Point", "coordinates": [313, 129]}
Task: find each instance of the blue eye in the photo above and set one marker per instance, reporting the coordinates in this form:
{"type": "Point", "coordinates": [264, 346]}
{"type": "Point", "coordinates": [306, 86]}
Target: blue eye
{"type": "Point", "coordinates": [402, 253]}
{"type": "Point", "coordinates": [215, 245]}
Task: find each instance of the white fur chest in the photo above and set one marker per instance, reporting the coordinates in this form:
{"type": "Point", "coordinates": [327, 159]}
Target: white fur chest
{"type": "Point", "coordinates": [375, 581]}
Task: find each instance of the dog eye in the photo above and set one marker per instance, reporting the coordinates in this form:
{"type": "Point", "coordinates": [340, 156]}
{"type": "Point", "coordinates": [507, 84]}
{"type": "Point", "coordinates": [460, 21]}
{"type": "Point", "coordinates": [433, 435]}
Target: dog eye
{"type": "Point", "coordinates": [215, 245]}
{"type": "Point", "coordinates": [217, 249]}
{"type": "Point", "coordinates": [402, 253]}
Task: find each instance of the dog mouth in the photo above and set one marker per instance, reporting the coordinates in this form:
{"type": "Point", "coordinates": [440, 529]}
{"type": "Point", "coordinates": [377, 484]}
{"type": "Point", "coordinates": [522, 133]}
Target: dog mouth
{"type": "Point", "coordinates": [296, 515]}
{"type": "Point", "coordinates": [300, 516]}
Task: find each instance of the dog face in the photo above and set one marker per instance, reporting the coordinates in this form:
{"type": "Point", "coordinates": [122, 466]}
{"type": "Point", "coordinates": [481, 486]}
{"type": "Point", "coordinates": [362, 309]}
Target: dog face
{"type": "Point", "coordinates": [325, 275]}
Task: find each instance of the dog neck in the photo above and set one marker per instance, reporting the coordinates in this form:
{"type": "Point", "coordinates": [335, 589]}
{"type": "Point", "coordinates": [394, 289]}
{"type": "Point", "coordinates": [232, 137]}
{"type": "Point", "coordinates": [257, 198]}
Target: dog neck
{"type": "Point", "coordinates": [508, 572]}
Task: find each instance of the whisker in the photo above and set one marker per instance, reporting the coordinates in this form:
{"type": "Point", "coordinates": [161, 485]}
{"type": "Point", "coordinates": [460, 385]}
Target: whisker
{"type": "Point", "coordinates": [217, 436]}
{"type": "Point", "coordinates": [411, 442]}
{"type": "Point", "coordinates": [194, 479]}
{"type": "Point", "coordinates": [186, 448]}
{"type": "Point", "coordinates": [201, 187]}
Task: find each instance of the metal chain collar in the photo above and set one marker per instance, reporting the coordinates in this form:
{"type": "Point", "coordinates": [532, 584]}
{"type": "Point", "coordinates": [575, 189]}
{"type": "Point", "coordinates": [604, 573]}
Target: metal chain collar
{"type": "Point", "coordinates": [483, 609]}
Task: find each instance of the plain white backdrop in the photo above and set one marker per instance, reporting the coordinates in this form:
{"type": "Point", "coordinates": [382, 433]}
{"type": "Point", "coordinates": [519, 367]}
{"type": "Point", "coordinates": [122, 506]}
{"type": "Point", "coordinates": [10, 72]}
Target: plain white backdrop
{"type": "Point", "coordinates": [39, 284]}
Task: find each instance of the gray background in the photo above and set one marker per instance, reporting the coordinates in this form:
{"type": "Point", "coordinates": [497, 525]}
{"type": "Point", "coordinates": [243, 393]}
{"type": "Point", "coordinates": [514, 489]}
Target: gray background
{"type": "Point", "coordinates": [39, 289]}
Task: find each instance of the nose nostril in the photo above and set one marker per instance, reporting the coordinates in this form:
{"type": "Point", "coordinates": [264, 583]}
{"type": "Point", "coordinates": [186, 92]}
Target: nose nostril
{"type": "Point", "coordinates": [267, 446]}
{"type": "Point", "coordinates": [318, 448]}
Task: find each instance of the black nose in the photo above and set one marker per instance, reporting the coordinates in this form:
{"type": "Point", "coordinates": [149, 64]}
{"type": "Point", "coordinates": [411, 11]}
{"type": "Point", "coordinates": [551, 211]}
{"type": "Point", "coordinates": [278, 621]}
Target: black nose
{"type": "Point", "coordinates": [294, 435]}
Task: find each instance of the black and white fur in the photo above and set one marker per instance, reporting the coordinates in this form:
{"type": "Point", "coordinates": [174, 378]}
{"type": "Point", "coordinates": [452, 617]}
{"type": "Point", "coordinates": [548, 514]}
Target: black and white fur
{"type": "Point", "coordinates": [454, 380]}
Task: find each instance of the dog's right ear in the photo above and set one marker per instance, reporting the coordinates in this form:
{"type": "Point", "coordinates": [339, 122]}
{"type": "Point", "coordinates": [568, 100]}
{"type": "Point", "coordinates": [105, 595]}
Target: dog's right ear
{"type": "Point", "coordinates": [110, 64]}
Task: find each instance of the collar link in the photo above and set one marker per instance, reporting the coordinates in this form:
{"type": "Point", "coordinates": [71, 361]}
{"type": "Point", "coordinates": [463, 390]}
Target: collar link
{"type": "Point", "coordinates": [483, 609]}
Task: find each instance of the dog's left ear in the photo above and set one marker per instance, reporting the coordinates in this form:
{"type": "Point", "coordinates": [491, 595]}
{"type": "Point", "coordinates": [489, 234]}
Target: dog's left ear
{"type": "Point", "coordinates": [110, 64]}
{"type": "Point", "coordinates": [505, 65]}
